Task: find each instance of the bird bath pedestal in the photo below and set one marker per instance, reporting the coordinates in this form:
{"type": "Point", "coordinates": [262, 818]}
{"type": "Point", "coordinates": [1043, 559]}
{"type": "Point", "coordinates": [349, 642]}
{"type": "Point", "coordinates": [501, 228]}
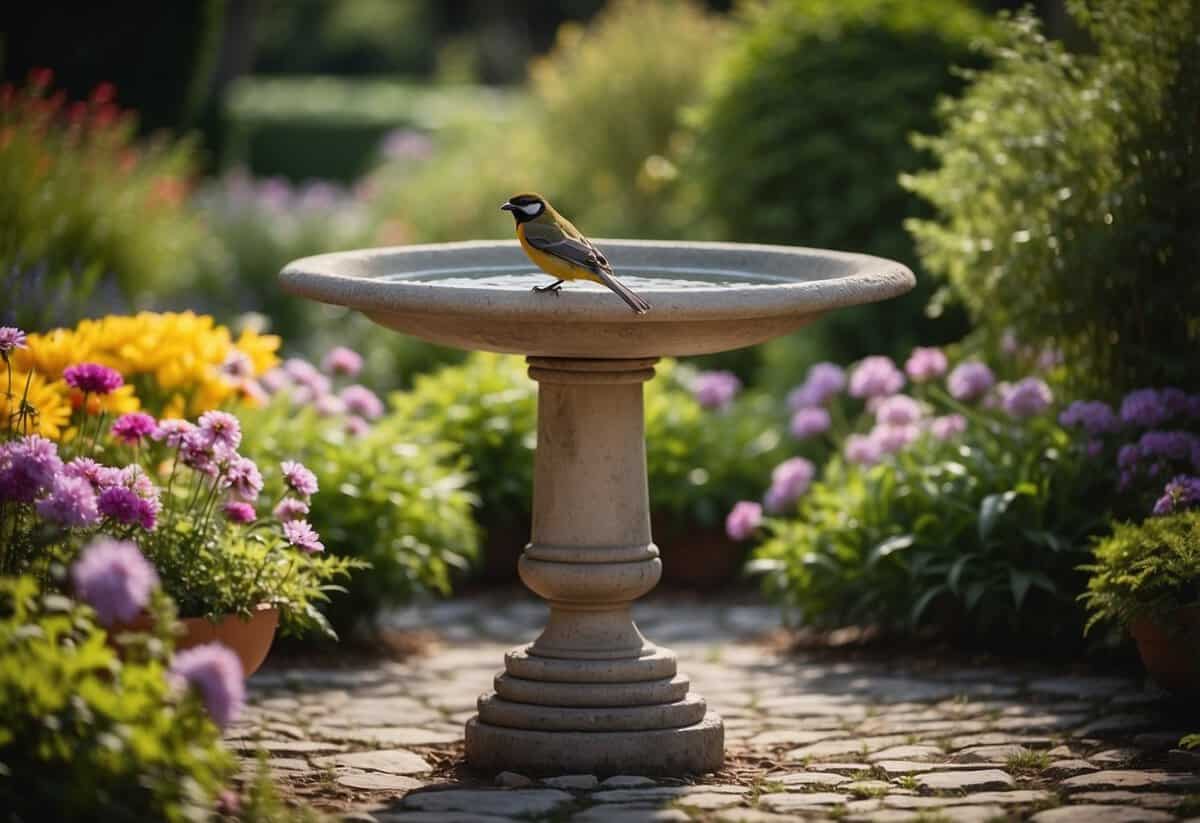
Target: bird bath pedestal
{"type": "Point", "coordinates": [591, 694]}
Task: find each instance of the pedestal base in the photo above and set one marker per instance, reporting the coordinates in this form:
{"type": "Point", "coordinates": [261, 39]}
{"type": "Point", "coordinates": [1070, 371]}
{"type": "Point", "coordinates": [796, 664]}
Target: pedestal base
{"type": "Point", "coordinates": [691, 749]}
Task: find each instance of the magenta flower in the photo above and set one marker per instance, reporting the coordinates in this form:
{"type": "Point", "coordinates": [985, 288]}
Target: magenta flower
{"type": "Point", "coordinates": [71, 503]}
{"type": "Point", "coordinates": [222, 430]}
{"type": "Point", "coordinates": [99, 476]}
{"type": "Point", "coordinates": [301, 534]}
{"type": "Point", "coordinates": [970, 381]}
{"type": "Point", "coordinates": [948, 426]}
{"type": "Point", "coordinates": [120, 504]}
{"type": "Point", "coordinates": [743, 520]}
{"type": "Point", "coordinates": [92, 378]}
{"type": "Point", "coordinates": [11, 339]}
{"type": "Point", "coordinates": [715, 389]}
{"type": "Point", "coordinates": [862, 450]}
{"type": "Point", "coordinates": [237, 511]}
{"type": "Point", "coordinates": [789, 481]}
{"type": "Point", "coordinates": [113, 578]}
{"type": "Point", "coordinates": [925, 364]}
{"type": "Point", "coordinates": [216, 673]}
{"type": "Point", "coordinates": [1181, 493]}
{"type": "Point", "coordinates": [243, 479]}
{"type": "Point", "coordinates": [809, 422]}
{"type": "Point", "coordinates": [898, 410]}
{"type": "Point", "coordinates": [342, 361]}
{"type": "Point", "coordinates": [172, 432]}
{"type": "Point", "coordinates": [875, 376]}
{"type": "Point", "coordinates": [197, 453]}
{"type": "Point", "coordinates": [134, 427]}
{"type": "Point", "coordinates": [362, 401]}
{"type": "Point", "coordinates": [28, 467]}
{"type": "Point", "coordinates": [821, 383]}
{"type": "Point", "coordinates": [134, 477]}
{"type": "Point", "coordinates": [290, 508]}
{"type": "Point", "coordinates": [1028, 397]}
{"type": "Point", "coordinates": [356, 426]}
{"type": "Point", "coordinates": [1094, 416]}
{"type": "Point", "coordinates": [298, 478]}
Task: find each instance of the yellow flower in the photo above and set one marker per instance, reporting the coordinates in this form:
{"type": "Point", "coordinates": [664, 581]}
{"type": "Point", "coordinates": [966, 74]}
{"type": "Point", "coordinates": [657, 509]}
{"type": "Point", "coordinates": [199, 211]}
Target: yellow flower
{"type": "Point", "coordinates": [119, 401]}
{"type": "Point", "coordinates": [48, 399]}
{"type": "Point", "coordinates": [261, 349]}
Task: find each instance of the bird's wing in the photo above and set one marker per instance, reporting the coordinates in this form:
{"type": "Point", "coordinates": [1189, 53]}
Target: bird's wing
{"type": "Point", "coordinates": [579, 251]}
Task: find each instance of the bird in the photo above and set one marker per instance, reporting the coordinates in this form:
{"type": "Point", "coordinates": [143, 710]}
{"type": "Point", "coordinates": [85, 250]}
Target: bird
{"type": "Point", "coordinates": [561, 251]}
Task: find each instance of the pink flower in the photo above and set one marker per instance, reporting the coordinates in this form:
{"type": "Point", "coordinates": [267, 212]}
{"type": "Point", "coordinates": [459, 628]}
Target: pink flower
{"type": "Point", "coordinates": [789, 481]}
{"type": "Point", "coordinates": [134, 427]}
{"type": "Point", "coordinates": [100, 477]}
{"type": "Point", "coordinates": [113, 578]}
{"type": "Point", "coordinates": [237, 511]}
{"type": "Point", "coordinates": [243, 479]}
{"type": "Point", "coordinates": [948, 426]}
{"type": "Point", "coordinates": [197, 453]}
{"type": "Point", "coordinates": [362, 401]}
{"type": "Point", "coordinates": [172, 432]}
{"type": "Point", "coordinates": [28, 467]}
{"type": "Point", "coordinates": [329, 405]}
{"type": "Point", "coordinates": [71, 503]}
{"type": "Point", "coordinates": [892, 439]}
{"type": "Point", "coordinates": [1028, 397]}
{"type": "Point", "coordinates": [92, 378]}
{"type": "Point", "coordinates": [238, 366]}
{"type": "Point", "coordinates": [356, 426]}
{"type": "Point", "coordinates": [290, 508]}
{"type": "Point", "coordinates": [821, 383]}
{"type": "Point", "coordinates": [120, 504]}
{"type": "Point", "coordinates": [899, 410]}
{"type": "Point", "coordinates": [216, 673]}
{"type": "Point", "coordinates": [925, 364]}
{"type": "Point", "coordinates": [716, 389]}
{"type": "Point", "coordinates": [862, 450]}
{"type": "Point", "coordinates": [301, 534]}
{"type": "Point", "coordinates": [970, 381]}
{"type": "Point", "coordinates": [875, 376]}
{"type": "Point", "coordinates": [342, 361]}
{"type": "Point", "coordinates": [11, 339]}
{"type": "Point", "coordinates": [743, 520]}
{"type": "Point", "coordinates": [222, 430]}
{"type": "Point", "coordinates": [298, 478]}
{"type": "Point", "coordinates": [810, 421]}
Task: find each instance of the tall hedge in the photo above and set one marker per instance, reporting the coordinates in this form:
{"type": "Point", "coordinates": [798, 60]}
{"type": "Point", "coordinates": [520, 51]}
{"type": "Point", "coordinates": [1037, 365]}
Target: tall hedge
{"type": "Point", "coordinates": [1068, 193]}
{"type": "Point", "coordinates": [807, 128]}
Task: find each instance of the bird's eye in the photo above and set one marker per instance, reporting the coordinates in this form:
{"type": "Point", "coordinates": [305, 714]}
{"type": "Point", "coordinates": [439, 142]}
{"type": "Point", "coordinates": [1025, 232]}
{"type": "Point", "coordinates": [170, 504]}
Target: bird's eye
{"type": "Point", "coordinates": [532, 209]}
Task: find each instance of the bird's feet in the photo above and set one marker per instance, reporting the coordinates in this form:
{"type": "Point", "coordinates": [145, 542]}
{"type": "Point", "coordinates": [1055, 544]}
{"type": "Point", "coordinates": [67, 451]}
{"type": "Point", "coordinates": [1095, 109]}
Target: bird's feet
{"type": "Point", "coordinates": [553, 287]}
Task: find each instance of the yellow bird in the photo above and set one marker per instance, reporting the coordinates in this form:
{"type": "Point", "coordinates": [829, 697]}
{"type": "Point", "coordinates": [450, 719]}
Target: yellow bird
{"type": "Point", "coordinates": [561, 251]}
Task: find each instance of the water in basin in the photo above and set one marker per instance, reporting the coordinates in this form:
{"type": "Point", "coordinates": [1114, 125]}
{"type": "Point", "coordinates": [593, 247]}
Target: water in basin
{"type": "Point", "coordinates": [641, 278]}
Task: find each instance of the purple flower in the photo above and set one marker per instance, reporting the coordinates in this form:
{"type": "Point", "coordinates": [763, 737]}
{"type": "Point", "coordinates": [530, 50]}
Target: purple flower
{"type": "Point", "coordinates": [132, 428]}
{"type": "Point", "coordinates": [71, 503]}
{"type": "Point", "coordinates": [743, 520]}
{"type": "Point", "coordinates": [1009, 344]}
{"type": "Point", "coordinates": [899, 410]}
{"type": "Point", "coordinates": [823, 381]}
{"type": "Point", "coordinates": [134, 478]}
{"type": "Point", "coordinates": [1127, 456]}
{"type": "Point", "coordinates": [275, 380]}
{"type": "Point", "coordinates": [243, 479]}
{"type": "Point", "coordinates": [222, 430]}
{"type": "Point", "coordinates": [1144, 408]}
{"type": "Point", "coordinates": [356, 426]}
{"type": "Point", "coordinates": [1170, 445]}
{"type": "Point", "coordinates": [100, 477]}
{"type": "Point", "coordinates": [892, 439]}
{"type": "Point", "coordinates": [216, 673]}
{"type": "Point", "coordinates": [172, 432]}
{"type": "Point", "coordinates": [28, 467]}
{"type": "Point", "coordinates": [876, 376]}
{"type": "Point", "coordinates": [1181, 493]}
{"type": "Point", "coordinates": [290, 508]}
{"type": "Point", "coordinates": [789, 481]}
{"type": "Point", "coordinates": [301, 535]}
{"type": "Point", "coordinates": [11, 339]}
{"type": "Point", "coordinates": [862, 450]}
{"type": "Point", "coordinates": [121, 505]}
{"type": "Point", "coordinates": [948, 426]}
{"type": "Point", "coordinates": [712, 389]}
{"type": "Point", "coordinates": [365, 403]}
{"type": "Point", "coordinates": [1048, 359]}
{"type": "Point", "coordinates": [1028, 397]}
{"type": "Point", "coordinates": [238, 366]}
{"type": "Point", "coordinates": [406, 144]}
{"type": "Point", "coordinates": [237, 511]}
{"type": "Point", "coordinates": [342, 361]}
{"type": "Point", "coordinates": [1094, 448]}
{"type": "Point", "coordinates": [970, 381]}
{"type": "Point", "coordinates": [329, 405]}
{"type": "Point", "coordinates": [925, 364]}
{"type": "Point", "coordinates": [810, 421]}
{"type": "Point", "coordinates": [92, 378]}
{"type": "Point", "coordinates": [196, 452]}
{"type": "Point", "coordinates": [113, 578]}
{"type": "Point", "coordinates": [1094, 416]}
{"type": "Point", "coordinates": [304, 373]}
{"type": "Point", "coordinates": [298, 478]}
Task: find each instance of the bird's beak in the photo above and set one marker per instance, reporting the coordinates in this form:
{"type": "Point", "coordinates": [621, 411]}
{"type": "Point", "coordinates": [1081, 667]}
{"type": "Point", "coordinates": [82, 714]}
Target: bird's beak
{"type": "Point", "coordinates": [508, 207]}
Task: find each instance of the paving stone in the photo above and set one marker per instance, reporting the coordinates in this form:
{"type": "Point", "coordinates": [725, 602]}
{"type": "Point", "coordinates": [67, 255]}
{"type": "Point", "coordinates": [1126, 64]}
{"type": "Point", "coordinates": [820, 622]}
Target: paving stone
{"type": "Point", "coordinates": [573, 782]}
{"type": "Point", "coordinates": [845, 768]}
{"type": "Point", "coordinates": [512, 780]}
{"type": "Point", "coordinates": [659, 793]}
{"type": "Point", "coordinates": [1016, 797]}
{"type": "Point", "coordinates": [629, 814]}
{"type": "Point", "coordinates": [389, 761]}
{"type": "Point", "coordinates": [965, 781]}
{"type": "Point", "coordinates": [439, 817]}
{"type": "Point", "coordinates": [1095, 813]}
{"type": "Point", "coordinates": [953, 814]}
{"type": "Point", "coordinates": [1159, 740]}
{"type": "Point", "coordinates": [751, 816]}
{"type": "Point", "coordinates": [897, 768]}
{"type": "Point", "coordinates": [1147, 800]}
{"type": "Point", "coordinates": [1086, 687]}
{"type": "Point", "coordinates": [626, 781]}
{"type": "Point", "coordinates": [511, 802]}
{"type": "Point", "coordinates": [378, 782]}
{"type": "Point", "coordinates": [1117, 724]}
{"type": "Point", "coordinates": [1114, 757]}
{"type": "Point", "coordinates": [789, 802]}
{"type": "Point", "coordinates": [823, 779]}
{"type": "Point", "coordinates": [865, 788]}
{"type": "Point", "coordinates": [294, 746]}
{"type": "Point", "coordinates": [839, 748]}
{"type": "Point", "coordinates": [1132, 780]}
{"type": "Point", "coordinates": [1059, 769]}
{"type": "Point", "coordinates": [288, 764]}
{"type": "Point", "coordinates": [990, 754]}
{"type": "Point", "coordinates": [708, 801]}
{"type": "Point", "coordinates": [998, 739]}
{"type": "Point", "coordinates": [1039, 722]}
{"type": "Point", "coordinates": [912, 752]}
{"type": "Point", "coordinates": [793, 737]}
{"type": "Point", "coordinates": [389, 735]}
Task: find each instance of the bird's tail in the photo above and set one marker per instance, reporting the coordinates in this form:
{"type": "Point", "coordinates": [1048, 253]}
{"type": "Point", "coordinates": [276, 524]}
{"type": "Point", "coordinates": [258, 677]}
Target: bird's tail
{"type": "Point", "coordinates": [636, 303]}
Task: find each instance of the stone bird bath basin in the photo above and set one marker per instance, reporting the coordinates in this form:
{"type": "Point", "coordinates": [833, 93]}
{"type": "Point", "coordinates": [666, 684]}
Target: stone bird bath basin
{"type": "Point", "coordinates": [591, 694]}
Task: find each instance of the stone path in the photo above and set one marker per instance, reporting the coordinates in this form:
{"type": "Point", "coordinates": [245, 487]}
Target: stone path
{"type": "Point", "coordinates": [808, 737]}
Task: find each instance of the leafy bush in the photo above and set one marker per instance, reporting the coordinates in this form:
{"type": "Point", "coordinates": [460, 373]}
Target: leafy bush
{"type": "Point", "coordinates": [87, 735]}
{"type": "Point", "coordinates": [389, 497]}
{"type": "Point", "coordinates": [805, 130]}
{"type": "Point", "coordinates": [1146, 569]}
{"type": "Point", "coordinates": [82, 201]}
{"type": "Point", "coordinates": [1067, 193]}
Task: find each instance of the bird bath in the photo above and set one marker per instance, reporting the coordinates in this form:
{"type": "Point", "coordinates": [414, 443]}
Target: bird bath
{"type": "Point", "coordinates": [591, 694]}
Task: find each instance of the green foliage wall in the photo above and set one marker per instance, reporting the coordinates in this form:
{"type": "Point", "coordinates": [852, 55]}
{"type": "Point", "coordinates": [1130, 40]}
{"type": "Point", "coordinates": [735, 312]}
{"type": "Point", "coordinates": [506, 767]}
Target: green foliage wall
{"type": "Point", "coordinates": [1068, 194]}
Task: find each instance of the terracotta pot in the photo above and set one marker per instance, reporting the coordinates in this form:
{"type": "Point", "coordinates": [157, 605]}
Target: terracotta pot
{"type": "Point", "coordinates": [1170, 649]}
{"type": "Point", "coordinates": [249, 639]}
{"type": "Point", "coordinates": [697, 557]}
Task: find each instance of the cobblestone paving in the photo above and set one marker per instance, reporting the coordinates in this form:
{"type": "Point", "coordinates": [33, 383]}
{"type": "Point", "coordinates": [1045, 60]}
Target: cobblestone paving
{"type": "Point", "coordinates": [808, 737]}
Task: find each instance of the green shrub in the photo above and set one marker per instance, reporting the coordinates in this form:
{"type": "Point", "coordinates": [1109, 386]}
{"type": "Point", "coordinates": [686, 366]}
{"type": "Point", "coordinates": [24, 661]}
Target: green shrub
{"type": "Point", "coordinates": [1067, 190]}
{"type": "Point", "coordinates": [1145, 569]}
{"type": "Point", "coordinates": [83, 202]}
{"type": "Point", "coordinates": [805, 131]}
{"type": "Point", "coordinates": [386, 497]}
{"type": "Point", "coordinates": [85, 735]}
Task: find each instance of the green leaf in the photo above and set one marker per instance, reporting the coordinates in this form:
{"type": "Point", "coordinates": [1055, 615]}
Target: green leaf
{"type": "Point", "coordinates": [887, 547]}
{"type": "Point", "coordinates": [1019, 582]}
{"type": "Point", "coordinates": [991, 509]}
{"type": "Point", "coordinates": [956, 570]}
{"type": "Point", "coordinates": [923, 602]}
